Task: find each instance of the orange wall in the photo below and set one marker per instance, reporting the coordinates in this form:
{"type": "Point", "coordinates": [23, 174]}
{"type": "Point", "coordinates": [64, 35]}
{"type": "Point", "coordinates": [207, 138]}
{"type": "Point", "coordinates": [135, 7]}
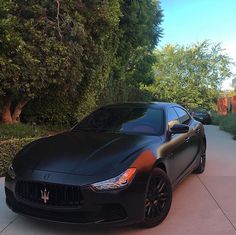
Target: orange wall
{"type": "Point", "coordinates": [226, 104]}
{"type": "Point", "coordinates": [222, 105]}
{"type": "Point", "coordinates": [233, 102]}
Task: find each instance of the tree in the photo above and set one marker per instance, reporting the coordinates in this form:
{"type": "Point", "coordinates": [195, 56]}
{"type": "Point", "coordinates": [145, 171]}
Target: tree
{"type": "Point", "coordinates": [74, 53]}
{"type": "Point", "coordinates": [191, 75]}
{"type": "Point", "coordinates": [50, 46]}
{"type": "Point", "coordinates": [140, 33]}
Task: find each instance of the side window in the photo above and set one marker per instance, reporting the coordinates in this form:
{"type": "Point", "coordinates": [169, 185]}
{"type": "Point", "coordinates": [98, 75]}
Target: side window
{"type": "Point", "coordinates": [172, 117]}
{"type": "Point", "coordinates": [183, 116]}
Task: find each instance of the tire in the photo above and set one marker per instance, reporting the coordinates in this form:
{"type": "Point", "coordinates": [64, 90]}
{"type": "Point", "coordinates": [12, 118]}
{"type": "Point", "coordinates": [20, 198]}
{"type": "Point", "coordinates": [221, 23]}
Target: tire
{"type": "Point", "coordinates": [158, 198]}
{"type": "Point", "coordinates": [201, 166]}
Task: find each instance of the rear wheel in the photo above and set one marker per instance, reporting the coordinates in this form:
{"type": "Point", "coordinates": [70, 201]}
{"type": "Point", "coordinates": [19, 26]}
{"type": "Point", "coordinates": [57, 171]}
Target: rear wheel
{"type": "Point", "coordinates": [158, 198]}
{"type": "Point", "coordinates": [201, 167]}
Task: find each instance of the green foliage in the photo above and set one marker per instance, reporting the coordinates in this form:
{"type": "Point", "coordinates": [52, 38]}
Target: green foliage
{"type": "Point", "coordinates": [8, 150]}
{"type": "Point", "coordinates": [116, 41]}
{"type": "Point", "coordinates": [21, 131]}
{"type": "Point", "coordinates": [190, 75]}
{"type": "Point", "coordinates": [229, 124]}
{"type": "Point", "coordinates": [54, 109]}
{"type": "Point", "coordinates": [91, 52]}
{"type": "Point", "coordinates": [51, 47]}
{"type": "Point", "coordinates": [139, 34]}
{"type": "Point", "coordinates": [226, 123]}
{"type": "Point", "coordinates": [32, 57]}
{"type": "Point", "coordinates": [216, 118]}
{"type": "Point", "coordinates": [58, 110]}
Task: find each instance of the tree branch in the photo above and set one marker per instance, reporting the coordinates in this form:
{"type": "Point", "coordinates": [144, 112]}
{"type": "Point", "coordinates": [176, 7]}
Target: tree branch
{"type": "Point", "coordinates": [58, 20]}
{"type": "Point", "coordinates": [18, 109]}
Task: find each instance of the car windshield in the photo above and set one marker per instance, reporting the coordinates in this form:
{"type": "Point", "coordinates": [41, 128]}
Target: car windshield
{"type": "Point", "coordinates": [132, 120]}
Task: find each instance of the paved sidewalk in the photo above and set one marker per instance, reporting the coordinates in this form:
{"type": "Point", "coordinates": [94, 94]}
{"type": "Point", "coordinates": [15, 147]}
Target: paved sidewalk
{"type": "Point", "coordinates": [202, 205]}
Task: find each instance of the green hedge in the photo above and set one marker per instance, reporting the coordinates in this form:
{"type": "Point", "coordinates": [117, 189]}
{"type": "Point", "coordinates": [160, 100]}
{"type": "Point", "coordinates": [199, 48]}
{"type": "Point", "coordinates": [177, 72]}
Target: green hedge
{"type": "Point", "coordinates": [63, 111]}
{"type": "Point", "coordinates": [8, 149]}
{"type": "Point", "coordinates": [14, 137]}
{"type": "Point", "coordinates": [226, 123]}
{"type": "Point", "coordinates": [19, 130]}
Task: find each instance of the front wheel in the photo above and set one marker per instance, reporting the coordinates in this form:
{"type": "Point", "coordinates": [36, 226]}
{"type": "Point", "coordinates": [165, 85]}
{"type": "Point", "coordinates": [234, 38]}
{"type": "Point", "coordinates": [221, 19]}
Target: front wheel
{"type": "Point", "coordinates": [158, 198]}
{"type": "Point", "coordinates": [201, 167]}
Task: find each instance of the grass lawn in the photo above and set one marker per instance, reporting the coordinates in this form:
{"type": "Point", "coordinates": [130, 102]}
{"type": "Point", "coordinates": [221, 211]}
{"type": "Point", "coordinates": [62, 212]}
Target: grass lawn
{"type": "Point", "coordinates": [14, 137]}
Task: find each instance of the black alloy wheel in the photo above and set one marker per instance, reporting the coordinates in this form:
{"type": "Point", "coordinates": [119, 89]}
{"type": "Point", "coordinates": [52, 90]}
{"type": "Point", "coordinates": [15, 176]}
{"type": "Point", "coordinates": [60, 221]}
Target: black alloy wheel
{"type": "Point", "coordinates": [201, 167]}
{"type": "Point", "coordinates": [158, 198]}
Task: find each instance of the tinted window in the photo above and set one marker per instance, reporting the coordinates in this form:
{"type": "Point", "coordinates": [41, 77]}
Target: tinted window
{"type": "Point", "coordinates": [183, 115]}
{"type": "Point", "coordinates": [172, 117]}
{"type": "Point", "coordinates": [124, 120]}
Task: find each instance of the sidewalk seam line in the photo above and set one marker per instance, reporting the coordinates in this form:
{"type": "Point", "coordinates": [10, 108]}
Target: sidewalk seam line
{"type": "Point", "coordinates": [8, 225]}
{"type": "Point", "coordinates": [225, 215]}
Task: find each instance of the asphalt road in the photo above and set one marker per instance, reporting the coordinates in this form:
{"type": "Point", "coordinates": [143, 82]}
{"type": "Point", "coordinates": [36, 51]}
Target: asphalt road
{"type": "Point", "coordinates": [202, 205]}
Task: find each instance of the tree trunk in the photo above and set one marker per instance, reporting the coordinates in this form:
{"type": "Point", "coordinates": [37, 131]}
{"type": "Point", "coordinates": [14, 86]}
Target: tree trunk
{"type": "Point", "coordinates": [6, 111]}
{"type": "Point", "coordinates": [17, 111]}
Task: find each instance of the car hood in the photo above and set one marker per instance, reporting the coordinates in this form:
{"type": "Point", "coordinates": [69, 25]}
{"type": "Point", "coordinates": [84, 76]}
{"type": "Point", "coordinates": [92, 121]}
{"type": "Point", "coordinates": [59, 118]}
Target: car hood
{"type": "Point", "coordinates": [82, 153]}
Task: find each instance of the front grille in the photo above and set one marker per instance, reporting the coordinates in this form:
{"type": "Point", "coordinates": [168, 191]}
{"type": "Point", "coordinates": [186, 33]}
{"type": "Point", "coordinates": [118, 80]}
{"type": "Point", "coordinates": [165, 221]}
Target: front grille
{"type": "Point", "coordinates": [49, 194]}
{"type": "Point", "coordinates": [102, 213]}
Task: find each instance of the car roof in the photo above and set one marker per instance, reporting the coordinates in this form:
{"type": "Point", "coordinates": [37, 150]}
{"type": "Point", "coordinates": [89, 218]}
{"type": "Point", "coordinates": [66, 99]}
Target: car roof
{"type": "Point", "coordinates": [162, 105]}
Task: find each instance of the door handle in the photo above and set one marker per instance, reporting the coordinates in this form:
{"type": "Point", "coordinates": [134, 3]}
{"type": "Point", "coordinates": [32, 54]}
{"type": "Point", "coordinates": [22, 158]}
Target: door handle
{"type": "Point", "coordinates": [186, 140]}
{"type": "Point", "coordinates": [198, 131]}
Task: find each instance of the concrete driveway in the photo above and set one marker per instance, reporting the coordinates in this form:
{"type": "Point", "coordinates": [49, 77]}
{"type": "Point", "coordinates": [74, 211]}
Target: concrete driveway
{"type": "Point", "coordinates": [202, 205]}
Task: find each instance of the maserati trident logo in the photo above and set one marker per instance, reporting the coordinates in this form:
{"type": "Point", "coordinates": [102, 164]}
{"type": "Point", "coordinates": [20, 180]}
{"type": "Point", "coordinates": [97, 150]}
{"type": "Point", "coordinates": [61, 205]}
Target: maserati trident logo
{"type": "Point", "coordinates": [45, 195]}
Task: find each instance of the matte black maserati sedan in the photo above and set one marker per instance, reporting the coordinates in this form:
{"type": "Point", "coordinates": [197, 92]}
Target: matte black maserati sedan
{"type": "Point", "coordinates": [118, 165]}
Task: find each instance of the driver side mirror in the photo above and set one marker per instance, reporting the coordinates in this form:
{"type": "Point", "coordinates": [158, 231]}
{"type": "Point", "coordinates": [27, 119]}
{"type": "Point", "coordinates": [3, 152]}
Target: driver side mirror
{"type": "Point", "coordinates": [179, 129]}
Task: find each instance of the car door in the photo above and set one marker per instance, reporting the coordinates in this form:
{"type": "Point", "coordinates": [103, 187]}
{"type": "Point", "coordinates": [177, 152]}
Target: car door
{"type": "Point", "coordinates": [191, 141]}
{"type": "Point", "coordinates": [175, 148]}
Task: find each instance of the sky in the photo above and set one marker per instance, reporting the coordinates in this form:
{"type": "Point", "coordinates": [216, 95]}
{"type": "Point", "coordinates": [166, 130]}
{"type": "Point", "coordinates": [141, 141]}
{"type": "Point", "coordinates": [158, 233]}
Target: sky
{"type": "Point", "coordinates": [191, 21]}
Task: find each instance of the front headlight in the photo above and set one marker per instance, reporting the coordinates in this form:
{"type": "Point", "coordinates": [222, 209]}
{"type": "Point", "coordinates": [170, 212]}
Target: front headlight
{"type": "Point", "coordinates": [11, 172]}
{"type": "Point", "coordinates": [117, 182]}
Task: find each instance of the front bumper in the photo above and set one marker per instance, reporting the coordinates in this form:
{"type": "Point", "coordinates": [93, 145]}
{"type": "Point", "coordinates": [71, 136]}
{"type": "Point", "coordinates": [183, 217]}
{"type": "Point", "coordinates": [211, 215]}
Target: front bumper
{"type": "Point", "coordinates": [121, 207]}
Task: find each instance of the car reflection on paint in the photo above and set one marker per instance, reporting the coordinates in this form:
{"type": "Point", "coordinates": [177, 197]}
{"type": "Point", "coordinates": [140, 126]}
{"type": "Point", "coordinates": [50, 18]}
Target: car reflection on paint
{"type": "Point", "coordinates": [202, 115]}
